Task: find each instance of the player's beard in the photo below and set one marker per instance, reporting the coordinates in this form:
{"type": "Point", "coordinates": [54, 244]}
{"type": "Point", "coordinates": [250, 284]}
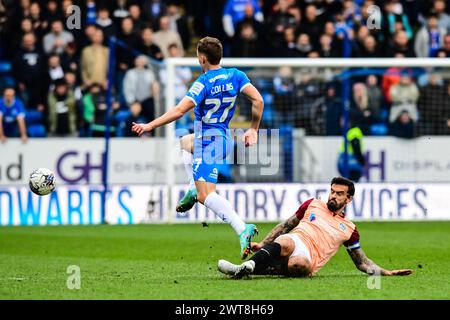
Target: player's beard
{"type": "Point", "coordinates": [333, 206]}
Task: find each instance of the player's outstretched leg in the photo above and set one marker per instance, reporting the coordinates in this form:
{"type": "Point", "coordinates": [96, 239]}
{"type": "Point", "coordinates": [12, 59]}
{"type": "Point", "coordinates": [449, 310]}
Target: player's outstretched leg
{"type": "Point", "coordinates": [222, 208]}
{"type": "Point", "coordinates": [190, 197]}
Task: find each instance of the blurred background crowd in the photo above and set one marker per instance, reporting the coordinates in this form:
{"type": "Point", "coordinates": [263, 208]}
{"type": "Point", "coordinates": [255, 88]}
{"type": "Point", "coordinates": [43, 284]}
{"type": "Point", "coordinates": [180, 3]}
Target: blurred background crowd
{"type": "Point", "coordinates": [53, 78]}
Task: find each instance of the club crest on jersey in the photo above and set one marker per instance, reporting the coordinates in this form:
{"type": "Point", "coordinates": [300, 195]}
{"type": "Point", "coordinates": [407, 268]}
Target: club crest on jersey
{"type": "Point", "coordinates": [312, 217]}
{"type": "Point", "coordinates": [342, 226]}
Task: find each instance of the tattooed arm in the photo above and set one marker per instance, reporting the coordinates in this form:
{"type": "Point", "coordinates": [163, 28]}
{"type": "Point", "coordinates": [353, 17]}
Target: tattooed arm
{"type": "Point", "coordinates": [368, 266]}
{"type": "Point", "coordinates": [282, 228]}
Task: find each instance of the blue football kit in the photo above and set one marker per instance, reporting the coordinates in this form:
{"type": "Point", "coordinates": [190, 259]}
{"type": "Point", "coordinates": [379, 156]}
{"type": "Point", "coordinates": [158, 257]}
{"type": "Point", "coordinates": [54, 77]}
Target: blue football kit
{"type": "Point", "coordinates": [214, 94]}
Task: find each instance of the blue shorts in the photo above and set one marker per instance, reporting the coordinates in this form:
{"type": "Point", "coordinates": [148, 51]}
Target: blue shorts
{"type": "Point", "coordinates": [210, 154]}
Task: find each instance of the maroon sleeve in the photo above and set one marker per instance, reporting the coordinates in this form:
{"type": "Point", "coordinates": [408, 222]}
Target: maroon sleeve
{"type": "Point", "coordinates": [302, 209]}
{"type": "Point", "coordinates": [353, 242]}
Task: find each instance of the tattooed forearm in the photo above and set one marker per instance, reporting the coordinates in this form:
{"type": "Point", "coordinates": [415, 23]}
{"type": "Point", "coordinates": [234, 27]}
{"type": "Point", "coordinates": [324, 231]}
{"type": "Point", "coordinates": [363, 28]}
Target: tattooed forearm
{"type": "Point", "coordinates": [365, 264]}
{"type": "Point", "coordinates": [280, 229]}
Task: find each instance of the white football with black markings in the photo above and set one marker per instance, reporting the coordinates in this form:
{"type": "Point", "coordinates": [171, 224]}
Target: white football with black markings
{"type": "Point", "coordinates": [42, 181]}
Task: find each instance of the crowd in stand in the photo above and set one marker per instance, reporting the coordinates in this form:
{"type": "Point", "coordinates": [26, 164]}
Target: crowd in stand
{"type": "Point", "coordinates": [54, 77]}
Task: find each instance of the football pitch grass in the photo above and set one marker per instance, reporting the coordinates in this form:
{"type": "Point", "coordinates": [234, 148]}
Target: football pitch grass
{"type": "Point", "coordinates": [177, 262]}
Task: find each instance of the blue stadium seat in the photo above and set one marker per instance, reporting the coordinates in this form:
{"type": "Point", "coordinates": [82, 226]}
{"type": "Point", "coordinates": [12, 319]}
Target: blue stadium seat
{"type": "Point", "coordinates": [36, 131]}
{"type": "Point", "coordinates": [33, 117]}
{"type": "Point", "coordinates": [119, 118]}
{"type": "Point", "coordinates": [379, 129]}
{"type": "Point", "coordinates": [5, 66]}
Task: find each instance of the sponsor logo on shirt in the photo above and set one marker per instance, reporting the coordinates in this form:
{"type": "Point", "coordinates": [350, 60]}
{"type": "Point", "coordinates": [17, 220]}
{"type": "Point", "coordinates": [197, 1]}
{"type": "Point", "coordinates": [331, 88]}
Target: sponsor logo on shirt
{"type": "Point", "coordinates": [220, 76]}
{"type": "Point", "coordinates": [214, 174]}
{"type": "Point", "coordinates": [342, 226]}
{"type": "Point", "coordinates": [196, 88]}
{"type": "Point", "coordinates": [312, 217]}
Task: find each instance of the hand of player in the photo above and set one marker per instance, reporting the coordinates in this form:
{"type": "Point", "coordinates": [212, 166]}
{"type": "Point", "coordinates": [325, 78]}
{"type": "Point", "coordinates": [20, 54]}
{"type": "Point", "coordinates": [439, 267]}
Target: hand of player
{"type": "Point", "coordinates": [401, 272]}
{"type": "Point", "coordinates": [140, 128]}
{"type": "Point", "coordinates": [256, 246]}
{"type": "Point", "coordinates": [250, 137]}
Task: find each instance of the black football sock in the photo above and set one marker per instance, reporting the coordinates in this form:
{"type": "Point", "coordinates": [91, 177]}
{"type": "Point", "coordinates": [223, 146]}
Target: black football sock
{"type": "Point", "coordinates": [265, 256]}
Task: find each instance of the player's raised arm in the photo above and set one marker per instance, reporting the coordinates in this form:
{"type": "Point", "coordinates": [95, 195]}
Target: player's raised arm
{"type": "Point", "coordinates": [251, 135]}
{"type": "Point", "coordinates": [366, 265]}
{"type": "Point", "coordinates": [173, 114]}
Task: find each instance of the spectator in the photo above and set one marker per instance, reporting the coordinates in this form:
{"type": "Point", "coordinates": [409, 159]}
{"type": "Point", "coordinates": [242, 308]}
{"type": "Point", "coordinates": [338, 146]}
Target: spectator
{"type": "Point", "coordinates": [94, 61]}
{"type": "Point", "coordinates": [439, 8]}
{"type": "Point", "coordinates": [290, 45]}
{"type": "Point", "coordinates": [183, 75]}
{"type": "Point", "coordinates": [154, 9]}
{"type": "Point", "coordinates": [395, 20]}
{"type": "Point", "coordinates": [400, 44]}
{"type": "Point", "coordinates": [375, 97]}
{"type": "Point", "coordinates": [40, 25]}
{"type": "Point", "coordinates": [390, 77]}
{"type": "Point", "coordinates": [336, 41]}
{"type": "Point", "coordinates": [246, 42]}
{"type": "Point", "coordinates": [283, 82]}
{"type": "Point", "coordinates": [370, 48]}
{"type": "Point", "coordinates": [140, 85]}
{"type": "Point", "coordinates": [120, 11]}
{"type": "Point", "coordinates": [235, 11]}
{"type": "Point", "coordinates": [147, 46]}
{"type": "Point", "coordinates": [304, 45]}
{"type": "Point", "coordinates": [105, 23]}
{"type": "Point", "coordinates": [26, 26]}
{"type": "Point", "coordinates": [12, 117]}
{"type": "Point", "coordinates": [28, 72]}
{"type": "Point", "coordinates": [278, 22]}
{"type": "Point", "coordinates": [54, 71]}
{"type": "Point", "coordinates": [125, 58]}
{"type": "Point", "coordinates": [431, 105]}
{"type": "Point", "coordinates": [429, 38]}
{"type": "Point", "coordinates": [136, 16]}
{"type": "Point", "coordinates": [70, 58]}
{"type": "Point", "coordinates": [95, 111]}
{"type": "Point", "coordinates": [91, 12]}
{"type": "Point", "coordinates": [311, 25]}
{"type": "Point", "coordinates": [179, 24]}
{"type": "Point", "coordinates": [86, 39]}
{"type": "Point", "coordinates": [333, 112]}
{"type": "Point", "coordinates": [62, 111]}
{"type": "Point", "coordinates": [403, 126]}
{"type": "Point", "coordinates": [356, 160]}
{"type": "Point", "coordinates": [362, 115]}
{"type": "Point", "coordinates": [136, 116]}
{"type": "Point", "coordinates": [446, 46]}
{"type": "Point", "coordinates": [52, 12]}
{"type": "Point", "coordinates": [404, 96]}
{"type": "Point", "coordinates": [326, 49]}
{"type": "Point", "coordinates": [164, 37]}
{"type": "Point", "coordinates": [358, 41]}
{"type": "Point", "coordinates": [57, 39]}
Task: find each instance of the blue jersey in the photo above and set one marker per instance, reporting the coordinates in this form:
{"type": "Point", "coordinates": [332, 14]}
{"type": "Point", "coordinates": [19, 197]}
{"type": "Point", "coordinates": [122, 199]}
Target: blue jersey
{"type": "Point", "coordinates": [12, 112]}
{"type": "Point", "coordinates": [214, 95]}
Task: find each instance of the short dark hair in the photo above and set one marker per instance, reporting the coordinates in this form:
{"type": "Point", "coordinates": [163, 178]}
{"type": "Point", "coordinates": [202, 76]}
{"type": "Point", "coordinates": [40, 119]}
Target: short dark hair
{"type": "Point", "coordinates": [211, 48]}
{"type": "Point", "coordinates": [345, 182]}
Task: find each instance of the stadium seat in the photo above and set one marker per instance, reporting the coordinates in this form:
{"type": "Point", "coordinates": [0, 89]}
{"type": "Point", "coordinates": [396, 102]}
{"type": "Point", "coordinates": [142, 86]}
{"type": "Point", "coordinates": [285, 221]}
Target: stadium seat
{"type": "Point", "coordinates": [33, 117]}
{"type": "Point", "coordinates": [36, 131]}
{"type": "Point", "coordinates": [379, 129]}
{"type": "Point", "coordinates": [5, 66]}
{"type": "Point", "coordinates": [119, 118]}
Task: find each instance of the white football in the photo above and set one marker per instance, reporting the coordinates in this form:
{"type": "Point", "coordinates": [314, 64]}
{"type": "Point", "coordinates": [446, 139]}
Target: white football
{"type": "Point", "coordinates": [42, 181]}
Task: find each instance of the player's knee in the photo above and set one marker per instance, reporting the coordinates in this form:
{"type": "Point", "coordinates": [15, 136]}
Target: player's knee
{"type": "Point", "coordinates": [299, 266]}
{"type": "Point", "coordinates": [187, 142]}
{"type": "Point", "coordinates": [287, 246]}
{"type": "Point", "coordinates": [201, 196]}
